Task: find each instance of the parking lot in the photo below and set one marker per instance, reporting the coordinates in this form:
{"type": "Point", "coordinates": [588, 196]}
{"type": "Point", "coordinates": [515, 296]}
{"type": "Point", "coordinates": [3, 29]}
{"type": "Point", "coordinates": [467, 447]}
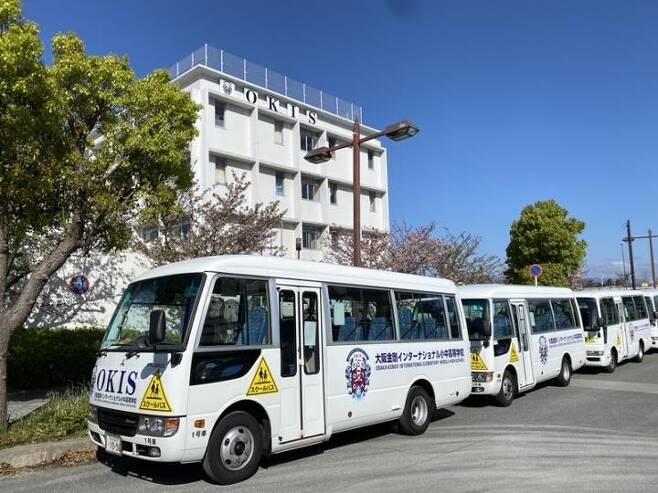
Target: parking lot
{"type": "Point", "coordinates": [598, 434]}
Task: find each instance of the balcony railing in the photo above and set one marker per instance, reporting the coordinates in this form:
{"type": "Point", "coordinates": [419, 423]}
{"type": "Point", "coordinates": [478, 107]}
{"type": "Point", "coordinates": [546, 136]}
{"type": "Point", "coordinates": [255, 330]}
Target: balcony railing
{"type": "Point", "coordinates": [243, 69]}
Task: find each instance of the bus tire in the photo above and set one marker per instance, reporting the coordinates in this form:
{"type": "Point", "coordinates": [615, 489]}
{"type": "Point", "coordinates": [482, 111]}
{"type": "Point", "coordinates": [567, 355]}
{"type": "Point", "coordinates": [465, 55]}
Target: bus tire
{"type": "Point", "coordinates": [564, 377]}
{"type": "Point", "coordinates": [417, 412]}
{"type": "Point", "coordinates": [613, 362]}
{"type": "Point", "coordinates": [507, 391]}
{"type": "Point", "coordinates": [640, 353]}
{"type": "Point", "coordinates": [234, 449]}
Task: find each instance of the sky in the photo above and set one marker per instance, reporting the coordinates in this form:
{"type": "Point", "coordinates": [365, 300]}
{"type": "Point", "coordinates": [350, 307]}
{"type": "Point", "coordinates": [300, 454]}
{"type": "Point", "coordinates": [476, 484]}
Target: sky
{"type": "Point", "coordinates": [517, 101]}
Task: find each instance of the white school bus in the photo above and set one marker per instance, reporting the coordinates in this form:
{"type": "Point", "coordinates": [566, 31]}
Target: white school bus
{"type": "Point", "coordinates": [520, 336]}
{"type": "Point", "coordinates": [221, 360]}
{"type": "Point", "coordinates": [617, 326]}
{"type": "Point", "coordinates": [651, 297]}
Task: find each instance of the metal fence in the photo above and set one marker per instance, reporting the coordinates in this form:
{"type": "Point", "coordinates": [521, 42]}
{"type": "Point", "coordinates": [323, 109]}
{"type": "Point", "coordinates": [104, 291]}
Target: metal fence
{"type": "Point", "coordinates": [243, 69]}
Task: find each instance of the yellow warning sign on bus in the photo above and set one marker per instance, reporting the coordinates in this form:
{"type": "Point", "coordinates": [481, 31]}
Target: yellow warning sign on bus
{"type": "Point", "coordinates": [513, 355]}
{"type": "Point", "coordinates": [477, 363]}
{"type": "Point", "coordinates": [618, 343]}
{"type": "Point", "coordinates": [155, 398]}
{"type": "Point", "coordinates": [263, 381]}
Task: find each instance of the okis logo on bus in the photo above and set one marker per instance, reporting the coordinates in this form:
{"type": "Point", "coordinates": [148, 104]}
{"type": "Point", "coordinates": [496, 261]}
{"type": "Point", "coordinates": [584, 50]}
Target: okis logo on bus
{"type": "Point", "coordinates": [357, 373]}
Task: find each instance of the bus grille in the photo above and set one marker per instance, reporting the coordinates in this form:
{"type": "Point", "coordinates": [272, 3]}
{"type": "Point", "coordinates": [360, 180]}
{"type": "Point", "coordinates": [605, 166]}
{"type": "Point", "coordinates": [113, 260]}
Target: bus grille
{"type": "Point", "coordinates": [117, 422]}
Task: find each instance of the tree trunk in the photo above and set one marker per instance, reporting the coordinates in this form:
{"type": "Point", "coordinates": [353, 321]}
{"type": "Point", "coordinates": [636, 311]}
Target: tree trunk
{"type": "Point", "coordinates": [5, 334]}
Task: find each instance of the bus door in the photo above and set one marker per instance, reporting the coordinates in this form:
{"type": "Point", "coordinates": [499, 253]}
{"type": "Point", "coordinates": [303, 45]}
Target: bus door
{"type": "Point", "coordinates": [526, 376]}
{"type": "Point", "coordinates": [622, 331]}
{"type": "Point", "coordinates": [301, 387]}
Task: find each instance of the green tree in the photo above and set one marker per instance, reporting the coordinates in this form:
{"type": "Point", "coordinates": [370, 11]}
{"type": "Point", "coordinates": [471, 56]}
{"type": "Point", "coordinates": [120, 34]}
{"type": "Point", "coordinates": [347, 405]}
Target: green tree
{"type": "Point", "coordinates": [546, 235]}
{"type": "Point", "coordinates": [84, 146]}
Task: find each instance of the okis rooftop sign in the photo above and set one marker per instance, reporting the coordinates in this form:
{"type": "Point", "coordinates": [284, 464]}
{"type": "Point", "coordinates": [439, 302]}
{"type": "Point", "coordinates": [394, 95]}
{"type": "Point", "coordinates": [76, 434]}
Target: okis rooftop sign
{"type": "Point", "coordinates": [271, 103]}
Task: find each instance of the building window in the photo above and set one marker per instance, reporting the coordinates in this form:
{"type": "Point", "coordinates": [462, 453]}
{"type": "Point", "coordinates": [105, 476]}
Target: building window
{"type": "Point", "coordinates": [280, 188]}
{"type": "Point", "coordinates": [333, 192]}
{"type": "Point", "coordinates": [309, 190]}
{"type": "Point", "coordinates": [220, 171]}
{"type": "Point", "coordinates": [220, 109]}
{"type": "Point", "coordinates": [308, 140]}
{"type": "Point", "coordinates": [372, 197]}
{"type": "Point", "coordinates": [371, 159]}
{"type": "Point", "coordinates": [278, 132]}
{"type": "Point", "coordinates": [310, 237]}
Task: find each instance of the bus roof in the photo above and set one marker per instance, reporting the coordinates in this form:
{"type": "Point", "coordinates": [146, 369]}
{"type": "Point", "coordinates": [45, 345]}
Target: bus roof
{"type": "Point", "coordinates": [278, 267]}
{"type": "Point", "coordinates": [607, 292]}
{"type": "Point", "coordinates": [512, 291]}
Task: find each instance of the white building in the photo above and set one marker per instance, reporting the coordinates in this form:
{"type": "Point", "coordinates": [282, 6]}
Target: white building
{"type": "Point", "coordinates": [262, 123]}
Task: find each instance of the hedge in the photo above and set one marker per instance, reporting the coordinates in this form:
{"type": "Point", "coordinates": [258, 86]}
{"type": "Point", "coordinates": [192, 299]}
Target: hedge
{"type": "Point", "coordinates": [51, 357]}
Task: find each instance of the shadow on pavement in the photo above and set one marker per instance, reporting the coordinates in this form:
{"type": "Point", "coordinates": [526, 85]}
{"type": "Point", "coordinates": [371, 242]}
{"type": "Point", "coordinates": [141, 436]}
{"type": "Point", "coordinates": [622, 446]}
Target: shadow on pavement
{"type": "Point", "coordinates": [177, 474]}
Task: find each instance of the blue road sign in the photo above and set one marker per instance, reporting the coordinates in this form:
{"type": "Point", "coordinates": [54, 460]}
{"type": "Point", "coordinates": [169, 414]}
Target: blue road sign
{"type": "Point", "coordinates": [535, 270]}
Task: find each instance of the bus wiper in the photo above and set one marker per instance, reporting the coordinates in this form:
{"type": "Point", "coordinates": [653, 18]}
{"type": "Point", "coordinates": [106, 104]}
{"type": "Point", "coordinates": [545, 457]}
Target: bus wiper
{"type": "Point", "coordinates": [104, 351]}
{"type": "Point", "coordinates": [138, 345]}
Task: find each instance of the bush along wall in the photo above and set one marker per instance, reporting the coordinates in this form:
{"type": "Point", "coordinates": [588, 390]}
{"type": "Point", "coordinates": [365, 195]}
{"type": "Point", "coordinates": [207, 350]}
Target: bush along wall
{"type": "Point", "coordinates": [52, 357]}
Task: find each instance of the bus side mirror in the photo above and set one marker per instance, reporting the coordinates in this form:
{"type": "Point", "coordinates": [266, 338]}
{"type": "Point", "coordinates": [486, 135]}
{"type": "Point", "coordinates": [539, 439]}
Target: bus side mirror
{"type": "Point", "coordinates": [157, 327]}
{"type": "Point", "coordinates": [600, 323]}
{"type": "Point", "coordinates": [486, 329]}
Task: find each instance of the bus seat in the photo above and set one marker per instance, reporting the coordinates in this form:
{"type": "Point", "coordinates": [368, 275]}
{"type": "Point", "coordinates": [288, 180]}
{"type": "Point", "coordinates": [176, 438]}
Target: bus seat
{"type": "Point", "coordinates": [379, 329]}
{"type": "Point", "coordinates": [429, 328]}
{"type": "Point", "coordinates": [406, 323]}
{"type": "Point", "coordinates": [347, 331]}
{"type": "Point", "coordinates": [257, 328]}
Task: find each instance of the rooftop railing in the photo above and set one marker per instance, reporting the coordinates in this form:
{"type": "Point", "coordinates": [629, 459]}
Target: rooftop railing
{"type": "Point", "coordinates": [253, 73]}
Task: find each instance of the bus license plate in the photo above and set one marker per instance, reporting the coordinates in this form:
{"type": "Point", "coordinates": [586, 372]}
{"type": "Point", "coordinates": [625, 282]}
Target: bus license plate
{"type": "Point", "coordinates": [113, 444]}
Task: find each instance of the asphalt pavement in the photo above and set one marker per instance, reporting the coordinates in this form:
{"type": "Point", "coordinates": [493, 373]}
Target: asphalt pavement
{"type": "Point", "coordinates": [599, 434]}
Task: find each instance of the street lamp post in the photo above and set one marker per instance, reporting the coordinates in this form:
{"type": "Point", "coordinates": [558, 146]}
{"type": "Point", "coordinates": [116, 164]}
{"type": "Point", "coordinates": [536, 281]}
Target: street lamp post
{"type": "Point", "coordinates": [398, 131]}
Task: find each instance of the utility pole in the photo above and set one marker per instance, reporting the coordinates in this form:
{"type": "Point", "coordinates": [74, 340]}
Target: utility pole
{"type": "Point", "coordinates": [623, 261]}
{"type": "Point", "coordinates": [630, 239]}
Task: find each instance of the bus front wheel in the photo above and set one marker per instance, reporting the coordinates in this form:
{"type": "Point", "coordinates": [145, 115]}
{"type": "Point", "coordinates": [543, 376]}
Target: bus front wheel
{"type": "Point", "coordinates": [417, 412]}
{"type": "Point", "coordinates": [507, 390]}
{"type": "Point", "coordinates": [613, 362]}
{"type": "Point", "coordinates": [234, 449]}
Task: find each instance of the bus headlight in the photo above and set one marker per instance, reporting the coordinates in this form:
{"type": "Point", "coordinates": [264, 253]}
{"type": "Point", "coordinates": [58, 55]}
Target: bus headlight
{"type": "Point", "coordinates": [157, 426]}
{"type": "Point", "coordinates": [93, 414]}
{"type": "Point", "coordinates": [482, 376]}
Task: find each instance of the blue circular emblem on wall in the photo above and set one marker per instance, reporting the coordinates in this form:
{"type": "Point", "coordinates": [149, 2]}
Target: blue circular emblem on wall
{"type": "Point", "coordinates": [79, 284]}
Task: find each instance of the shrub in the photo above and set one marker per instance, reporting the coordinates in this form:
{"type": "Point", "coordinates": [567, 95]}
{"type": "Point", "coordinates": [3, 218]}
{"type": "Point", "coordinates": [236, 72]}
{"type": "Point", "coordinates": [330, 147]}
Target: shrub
{"type": "Point", "coordinates": [52, 357]}
{"type": "Point", "coordinates": [64, 416]}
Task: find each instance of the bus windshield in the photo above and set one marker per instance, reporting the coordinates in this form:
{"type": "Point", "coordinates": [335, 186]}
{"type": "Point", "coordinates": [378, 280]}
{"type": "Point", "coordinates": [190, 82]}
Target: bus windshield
{"type": "Point", "coordinates": [476, 312]}
{"type": "Point", "coordinates": [175, 295]}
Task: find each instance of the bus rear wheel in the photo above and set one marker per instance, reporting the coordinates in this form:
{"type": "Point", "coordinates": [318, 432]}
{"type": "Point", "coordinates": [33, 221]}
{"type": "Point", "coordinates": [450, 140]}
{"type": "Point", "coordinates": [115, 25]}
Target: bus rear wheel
{"type": "Point", "coordinates": [417, 412]}
{"type": "Point", "coordinates": [505, 395]}
{"type": "Point", "coordinates": [640, 353]}
{"type": "Point", "coordinates": [613, 362]}
{"type": "Point", "coordinates": [234, 449]}
{"type": "Point", "coordinates": [564, 377]}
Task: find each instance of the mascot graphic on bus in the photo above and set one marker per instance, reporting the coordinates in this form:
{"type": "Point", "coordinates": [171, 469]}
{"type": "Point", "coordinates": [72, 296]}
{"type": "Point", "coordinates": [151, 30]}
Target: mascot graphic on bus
{"type": "Point", "coordinates": [543, 350]}
{"type": "Point", "coordinates": [357, 373]}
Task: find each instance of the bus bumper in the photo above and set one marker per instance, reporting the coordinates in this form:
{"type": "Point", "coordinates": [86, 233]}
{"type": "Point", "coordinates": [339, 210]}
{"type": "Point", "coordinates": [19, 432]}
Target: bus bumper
{"type": "Point", "coordinates": [597, 357]}
{"type": "Point", "coordinates": [159, 449]}
{"type": "Point", "coordinates": [485, 383]}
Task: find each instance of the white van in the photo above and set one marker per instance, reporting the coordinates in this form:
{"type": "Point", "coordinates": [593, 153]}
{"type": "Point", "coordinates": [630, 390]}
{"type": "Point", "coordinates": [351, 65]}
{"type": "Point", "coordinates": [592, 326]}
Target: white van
{"type": "Point", "coordinates": [221, 360]}
{"type": "Point", "coordinates": [617, 326]}
{"type": "Point", "coordinates": [520, 336]}
{"type": "Point", "coordinates": [651, 297]}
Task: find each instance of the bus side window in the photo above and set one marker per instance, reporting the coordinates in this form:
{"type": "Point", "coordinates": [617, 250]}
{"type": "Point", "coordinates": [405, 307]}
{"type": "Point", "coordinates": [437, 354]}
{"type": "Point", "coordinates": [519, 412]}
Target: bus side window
{"type": "Point", "coordinates": [238, 314]}
{"type": "Point", "coordinates": [453, 318]}
{"type": "Point", "coordinates": [502, 320]}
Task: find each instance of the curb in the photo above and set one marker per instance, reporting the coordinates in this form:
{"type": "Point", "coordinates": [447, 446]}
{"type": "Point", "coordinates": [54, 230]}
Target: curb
{"type": "Point", "coordinates": [39, 453]}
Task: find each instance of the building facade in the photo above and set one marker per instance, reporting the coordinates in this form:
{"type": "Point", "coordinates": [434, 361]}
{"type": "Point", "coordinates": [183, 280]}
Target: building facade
{"type": "Point", "coordinates": [256, 121]}
{"type": "Point", "coordinates": [252, 121]}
